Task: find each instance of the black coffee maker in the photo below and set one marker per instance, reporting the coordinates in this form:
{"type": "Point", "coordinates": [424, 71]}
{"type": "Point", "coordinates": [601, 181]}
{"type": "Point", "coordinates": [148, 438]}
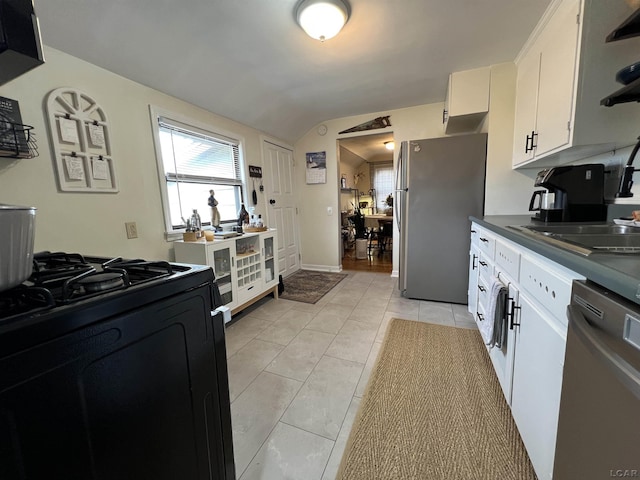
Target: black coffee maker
{"type": "Point", "coordinates": [574, 193]}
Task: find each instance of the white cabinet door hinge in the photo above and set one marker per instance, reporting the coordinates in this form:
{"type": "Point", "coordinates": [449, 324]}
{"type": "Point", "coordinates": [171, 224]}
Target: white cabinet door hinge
{"type": "Point", "coordinates": [569, 125]}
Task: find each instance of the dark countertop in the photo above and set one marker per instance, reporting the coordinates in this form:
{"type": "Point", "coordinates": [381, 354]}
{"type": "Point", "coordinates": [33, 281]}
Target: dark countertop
{"type": "Point", "coordinates": [619, 273]}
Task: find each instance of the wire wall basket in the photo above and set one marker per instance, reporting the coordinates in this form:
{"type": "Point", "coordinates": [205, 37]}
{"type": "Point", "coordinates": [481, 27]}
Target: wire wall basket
{"type": "Point", "coordinates": [17, 140]}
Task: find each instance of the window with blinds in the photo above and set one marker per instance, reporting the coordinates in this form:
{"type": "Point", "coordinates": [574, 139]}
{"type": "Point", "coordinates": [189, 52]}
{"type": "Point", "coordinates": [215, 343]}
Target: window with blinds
{"type": "Point", "coordinates": [196, 162]}
{"type": "Point", "coordinates": [382, 180]}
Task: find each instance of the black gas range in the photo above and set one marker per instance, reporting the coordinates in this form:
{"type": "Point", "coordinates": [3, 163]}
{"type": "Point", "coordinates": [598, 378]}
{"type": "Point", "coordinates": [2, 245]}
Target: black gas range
{"type": "Point", "coordinates": [70, 290]}
{"type": "Point", "coordinates": [60, 278]}
{"type": "Point", "coordinates": [113, 368]}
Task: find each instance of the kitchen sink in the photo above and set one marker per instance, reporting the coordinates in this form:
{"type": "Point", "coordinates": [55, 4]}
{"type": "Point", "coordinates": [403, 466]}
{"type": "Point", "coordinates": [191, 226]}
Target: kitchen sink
{"type": "Point", "coordinates": [587, 239]}
{"type": "Point", "coordinates": [607, 229]}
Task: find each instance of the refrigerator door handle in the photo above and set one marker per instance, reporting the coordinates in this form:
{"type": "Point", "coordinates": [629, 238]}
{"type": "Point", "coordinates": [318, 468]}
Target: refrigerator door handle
{"type": "Point", "coordinates": [399, 189]}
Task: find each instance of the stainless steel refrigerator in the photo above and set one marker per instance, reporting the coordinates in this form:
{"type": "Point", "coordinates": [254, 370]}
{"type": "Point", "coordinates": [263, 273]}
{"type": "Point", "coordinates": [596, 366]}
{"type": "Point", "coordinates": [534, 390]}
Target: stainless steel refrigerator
{"type": "Point", "coordinates": [440, 182]}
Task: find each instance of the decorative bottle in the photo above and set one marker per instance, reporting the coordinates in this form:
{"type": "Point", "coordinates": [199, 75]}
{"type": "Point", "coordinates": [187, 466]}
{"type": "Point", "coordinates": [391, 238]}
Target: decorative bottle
{"type": "Point", "coordinates": [243, 216]}
{"type": "Point", "coordinates": [259, 223]}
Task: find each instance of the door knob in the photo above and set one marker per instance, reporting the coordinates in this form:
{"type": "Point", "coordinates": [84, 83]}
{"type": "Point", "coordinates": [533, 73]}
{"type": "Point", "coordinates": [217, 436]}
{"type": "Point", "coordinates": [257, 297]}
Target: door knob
{"type": "Point", "coordinates": [272, 201]}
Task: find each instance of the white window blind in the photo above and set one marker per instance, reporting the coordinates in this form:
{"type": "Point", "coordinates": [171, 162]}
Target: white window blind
{"type": "Point", "coordinates": [195, 162]}
{"type": "Point", "coordinates": [382, 181]}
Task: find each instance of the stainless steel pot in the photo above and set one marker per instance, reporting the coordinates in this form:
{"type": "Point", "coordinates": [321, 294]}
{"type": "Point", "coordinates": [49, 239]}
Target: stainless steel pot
{"type": "Point", "coordinates": [17, 232]}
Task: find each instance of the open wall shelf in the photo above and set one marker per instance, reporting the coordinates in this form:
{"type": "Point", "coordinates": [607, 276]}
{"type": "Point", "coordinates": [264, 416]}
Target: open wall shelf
{"type": "Point", "coordinates": [629, 93]}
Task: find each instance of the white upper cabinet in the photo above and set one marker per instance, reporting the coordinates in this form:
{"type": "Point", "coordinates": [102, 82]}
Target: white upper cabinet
{"type": "Point", "coordinates": [525, 119]}
{"type": "Point", "coordinates": [559, 44]}
{"type": "Point", "coordinates": [564, 71]}
{"type": "Point", "coordinates": [467, 101]}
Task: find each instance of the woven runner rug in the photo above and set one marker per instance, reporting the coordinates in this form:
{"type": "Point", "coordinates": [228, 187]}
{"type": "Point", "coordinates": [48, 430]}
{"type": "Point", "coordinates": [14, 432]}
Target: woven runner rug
{"type": "Point", "coordinates": [433, 409]}
{"type": "Point", "coordinates": [309, 287]}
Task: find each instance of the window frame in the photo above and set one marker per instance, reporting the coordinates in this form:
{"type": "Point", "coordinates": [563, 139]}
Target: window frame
{"type": "Point", "coordinates": [380, 165]}
{"type": "Point", "coordinates": [197, 127]}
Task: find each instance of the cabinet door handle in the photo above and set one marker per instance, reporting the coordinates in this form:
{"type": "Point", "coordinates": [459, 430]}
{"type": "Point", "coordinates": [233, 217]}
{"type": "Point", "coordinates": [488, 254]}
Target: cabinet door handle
{"type": "Point", "coordinates": [473, 262]}
{"type": "Point", "coordinates": [482, 239]}
{"type": "Point", "coordinates": [481, 288]}
{"type": "Point", "coordinates": [530, 139]}
{"type": "Point", "coordinates": [445, 114]}
{"type": "Point", "coordinates": [233, 261]}
{"type": "Point", "coordinates": [484, 264]}
{"type": "Point", "coordinates": [512, 314]}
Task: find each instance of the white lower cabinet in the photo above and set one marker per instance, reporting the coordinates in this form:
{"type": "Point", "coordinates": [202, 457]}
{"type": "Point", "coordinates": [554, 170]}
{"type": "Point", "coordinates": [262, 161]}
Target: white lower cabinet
{"type": "Point", "coordinates": [529, 364]}
{"type": "Point", "coordinates": [245, 267]}
{"type": "Point", "coordinates": [537, 381]}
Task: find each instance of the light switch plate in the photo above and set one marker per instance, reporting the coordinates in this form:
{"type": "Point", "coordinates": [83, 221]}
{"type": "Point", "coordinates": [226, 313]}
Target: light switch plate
{"type": "Point", "coordinates": [132, 229]}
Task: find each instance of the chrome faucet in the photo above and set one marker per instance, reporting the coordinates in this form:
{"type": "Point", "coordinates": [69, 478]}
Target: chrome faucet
{"type": "Point", "coordinates": [627, 176]}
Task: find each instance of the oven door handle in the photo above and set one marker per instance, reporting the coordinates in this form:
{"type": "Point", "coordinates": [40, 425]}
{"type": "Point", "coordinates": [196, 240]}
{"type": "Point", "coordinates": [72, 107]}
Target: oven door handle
{"type": "Point", "coordinates": [623, 371]}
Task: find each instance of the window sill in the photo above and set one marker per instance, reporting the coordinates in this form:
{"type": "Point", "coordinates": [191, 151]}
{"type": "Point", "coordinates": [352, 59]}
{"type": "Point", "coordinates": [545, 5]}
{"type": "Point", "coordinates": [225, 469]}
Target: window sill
{"type": "Point", "coordinates": [173, 235]}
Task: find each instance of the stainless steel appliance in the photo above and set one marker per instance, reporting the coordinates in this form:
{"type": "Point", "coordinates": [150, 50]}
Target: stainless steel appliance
{"type": "Point", "coordinates": [575, 193]}
{"type": "Point", "coordinates": [113, 368]}
{"type": "Point", "coordinates": [439, 184]}
{"type": "Point", "coordinates": [599, 422]}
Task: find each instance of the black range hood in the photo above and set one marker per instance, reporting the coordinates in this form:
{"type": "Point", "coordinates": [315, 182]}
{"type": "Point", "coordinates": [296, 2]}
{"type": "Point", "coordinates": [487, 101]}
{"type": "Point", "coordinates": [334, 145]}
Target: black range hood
{"type": "Point", "coordinates": [20, 43]}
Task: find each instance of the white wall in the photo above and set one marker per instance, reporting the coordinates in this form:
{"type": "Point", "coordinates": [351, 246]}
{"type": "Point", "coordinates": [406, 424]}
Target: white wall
{"type": "Point", "coordinates": [319, 236]}
{"type": "Point", "coordinates": [507, 191]}
{"type": "Point", "coordinates": [93, 223]}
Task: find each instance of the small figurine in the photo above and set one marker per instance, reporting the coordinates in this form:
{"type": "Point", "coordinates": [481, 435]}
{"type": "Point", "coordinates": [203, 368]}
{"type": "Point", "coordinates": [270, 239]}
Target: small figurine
{"type": "Point", "coordinates": [215, 215]}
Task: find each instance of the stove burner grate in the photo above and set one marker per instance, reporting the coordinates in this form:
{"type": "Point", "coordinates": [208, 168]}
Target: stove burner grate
{"type": "Point", "coordinates": [60, 278]}
{"type": "Point", "coordinates": [25, 299]}
{"type": "Point", "coordinates": [100, 282]}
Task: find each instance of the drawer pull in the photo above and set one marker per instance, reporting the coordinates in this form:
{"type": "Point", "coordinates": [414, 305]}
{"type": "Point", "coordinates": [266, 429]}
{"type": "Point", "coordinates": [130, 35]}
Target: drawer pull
{"type": "Point", "coordinates": [482, 239]}
{"type": "Point", "coordinates": [473, 231]}
{"type": "Point", "coordinates": [481, 288]}
{"type": "Point", "coordinates": [484, 264]}
{"type": "Point", "coordinates": [480, 317]}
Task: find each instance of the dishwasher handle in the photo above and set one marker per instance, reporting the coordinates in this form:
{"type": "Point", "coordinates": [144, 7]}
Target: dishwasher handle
{"type": "Point", "coordinates": [623, 371]}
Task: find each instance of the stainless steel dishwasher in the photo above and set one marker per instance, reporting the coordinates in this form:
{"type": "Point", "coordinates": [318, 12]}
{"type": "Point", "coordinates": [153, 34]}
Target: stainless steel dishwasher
{"type": "Point", "coordinates": [599, 421]}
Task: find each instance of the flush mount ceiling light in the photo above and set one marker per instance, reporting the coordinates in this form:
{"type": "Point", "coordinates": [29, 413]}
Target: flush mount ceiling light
{"type": "Point", "coordinates": [322, 19]}
{"type": "Point", "coordinates": [389, 145]}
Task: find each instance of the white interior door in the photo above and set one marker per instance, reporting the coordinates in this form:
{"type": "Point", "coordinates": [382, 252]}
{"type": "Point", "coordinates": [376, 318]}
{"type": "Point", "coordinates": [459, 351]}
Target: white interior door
{"type": "Point", "coordinates": [281, 208]}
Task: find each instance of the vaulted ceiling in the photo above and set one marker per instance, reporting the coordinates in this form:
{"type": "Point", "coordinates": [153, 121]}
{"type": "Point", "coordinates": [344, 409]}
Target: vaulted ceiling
{"type": "Point", "coordinates": [248, 60]}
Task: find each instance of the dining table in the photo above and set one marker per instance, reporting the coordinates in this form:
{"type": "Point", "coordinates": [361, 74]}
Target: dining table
{"type": "Point", "coordinates": [373, 221]}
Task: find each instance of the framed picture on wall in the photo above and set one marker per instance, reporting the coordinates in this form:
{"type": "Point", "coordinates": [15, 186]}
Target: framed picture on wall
{"type": "Point", "coordinates": [316, 167]}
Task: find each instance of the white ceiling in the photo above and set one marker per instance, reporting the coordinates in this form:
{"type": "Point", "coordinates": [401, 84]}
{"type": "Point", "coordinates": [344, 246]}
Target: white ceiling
{"type": "Point", "coordinates": [369, 148]}
{"type": "Point", "coordinates": [248, 60]}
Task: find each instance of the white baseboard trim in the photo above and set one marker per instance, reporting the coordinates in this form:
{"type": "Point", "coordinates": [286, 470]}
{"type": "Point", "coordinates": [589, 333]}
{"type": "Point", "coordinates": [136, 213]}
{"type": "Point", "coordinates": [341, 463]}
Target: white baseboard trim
{"type": "Point", "coordinates": [322, 268]}
{"type": "Point", "coordinates": [395, 273]}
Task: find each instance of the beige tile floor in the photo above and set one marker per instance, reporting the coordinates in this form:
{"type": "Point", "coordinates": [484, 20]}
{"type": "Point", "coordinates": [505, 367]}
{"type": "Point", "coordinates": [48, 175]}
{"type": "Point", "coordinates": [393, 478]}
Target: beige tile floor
{"type": "Point", "coordinates": [297, 373]}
